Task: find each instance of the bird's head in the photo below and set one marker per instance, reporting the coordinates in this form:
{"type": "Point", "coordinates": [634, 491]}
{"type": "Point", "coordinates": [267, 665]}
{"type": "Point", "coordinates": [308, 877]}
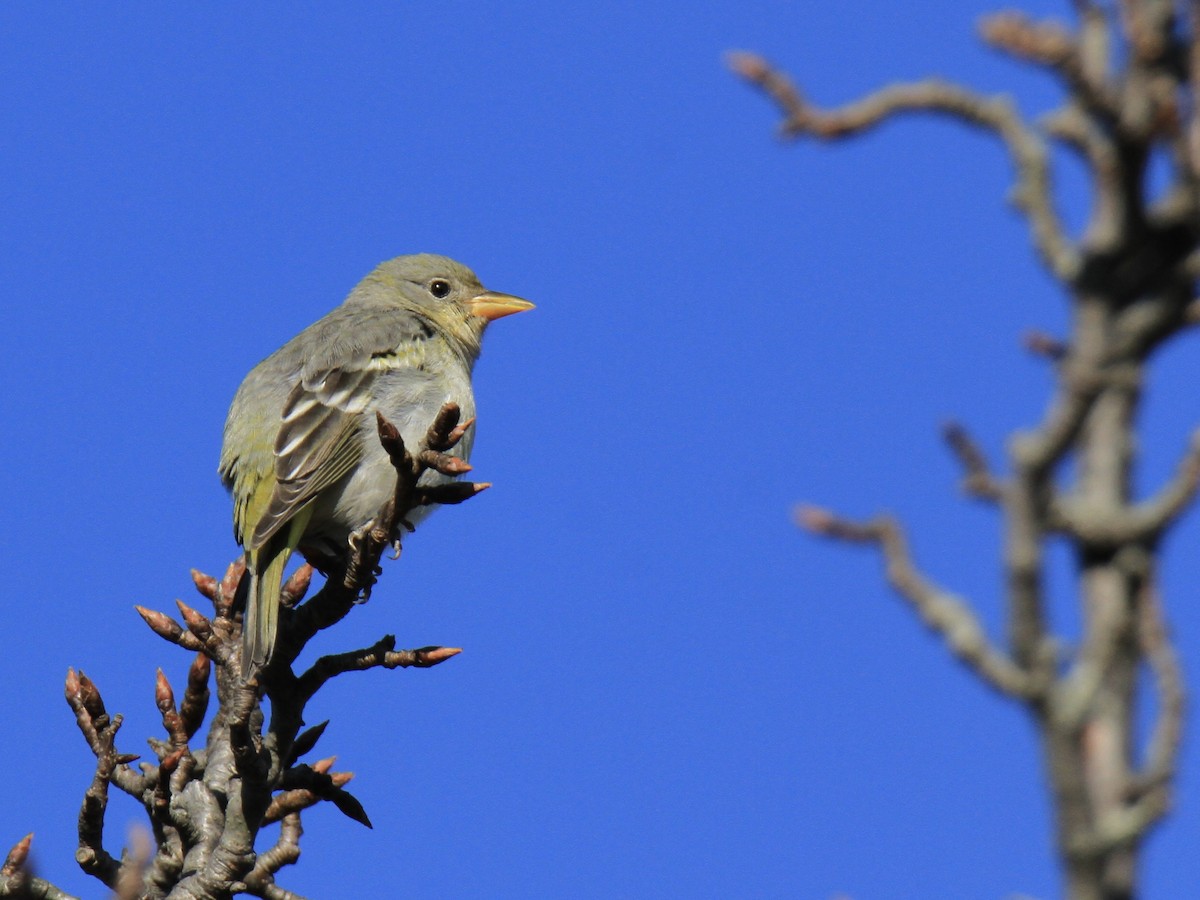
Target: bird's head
{"type": "Point", "coordinates": [445, 293]}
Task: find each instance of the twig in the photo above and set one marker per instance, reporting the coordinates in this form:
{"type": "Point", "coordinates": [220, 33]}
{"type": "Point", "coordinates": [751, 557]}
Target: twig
{"type": "Point", "coordinates": [1045, 43]}
{"type": "Point", "coordinates": [1162, 750]}
{"type": "Point", "coordinates": [91, 855]}
{"type": "Point", "coordinates": [946, 615]}
{"type": "Point", "coordinates": [168, 629]}
{"type": "Point", "coordinates": [19, 883]}
{"type": "Point", "coordinates": [357, 574]}
{"type": "Point", "coordinates": [261, 880]}
{"type": "Point", "coordinates": [1046, 345]}
{"type": "Point", "coordinates": [381, 654]}
{"type": "Point", "coordinates": [1109, 219]}
{"type": "Point", "coordinates": [196, 696]}
{"type": "Point", "coordinates": [305, 786]}
{"type": "Point", "coordinates": [978, 480]}
{"type": "Point", "coordinates": [1137, 523]}
{"type": "Point", "coordinates": [997, 115]}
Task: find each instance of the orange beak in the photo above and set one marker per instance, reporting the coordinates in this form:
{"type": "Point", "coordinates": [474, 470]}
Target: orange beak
{"type": "Point", "coordinates": [493, 305]}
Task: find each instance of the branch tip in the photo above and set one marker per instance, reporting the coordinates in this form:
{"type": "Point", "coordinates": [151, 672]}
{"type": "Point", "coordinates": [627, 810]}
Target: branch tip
{"type": "Point", "coordinates": [17, 856]}
{"type": "Point", "coordinates": [431, 656]}
{"type": "Point", "coordinates": [1039, 343]}
{"type": "Point", "coordinates": [814, 519]}
{"type": "Point", "coordinates": [207, 585]}
{"type": "Point", "coordinates": [297, 585]}
{"type": "Point", "coordinates": [750, 66]}
{"type": "Point", "coordinates": [198, 624]}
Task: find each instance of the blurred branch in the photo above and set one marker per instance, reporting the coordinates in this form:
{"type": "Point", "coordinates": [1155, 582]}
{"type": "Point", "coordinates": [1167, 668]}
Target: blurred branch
{"type": "Point", "coordinates": [1162, 752]}
{"type": "Point", "coordinates": [946, 615]}
{"type": "Point", "coordinates": [992, 114]}
{"type": "Point", "coordinates": [978, 480]}
{"type": "Point", "coordinates": [1132, 78]}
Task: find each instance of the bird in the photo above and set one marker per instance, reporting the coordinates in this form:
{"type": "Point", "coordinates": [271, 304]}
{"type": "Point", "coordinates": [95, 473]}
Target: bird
{"type": "Point", "coordinates": [301, 456]}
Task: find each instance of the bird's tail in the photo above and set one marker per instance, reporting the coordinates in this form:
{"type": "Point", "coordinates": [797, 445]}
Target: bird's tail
{"type": "Point", "coordinates": [262, 605]}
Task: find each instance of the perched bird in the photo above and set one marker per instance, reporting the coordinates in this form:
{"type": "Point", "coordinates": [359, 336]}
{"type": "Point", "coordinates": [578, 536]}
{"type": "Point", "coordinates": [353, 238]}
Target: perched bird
{"type": "Point", "coordinates": [301, 455]}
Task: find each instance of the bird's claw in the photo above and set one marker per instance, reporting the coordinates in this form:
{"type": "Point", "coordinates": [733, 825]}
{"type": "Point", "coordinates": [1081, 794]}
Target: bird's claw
{"type": "Point", "coordinates": [358, 535]}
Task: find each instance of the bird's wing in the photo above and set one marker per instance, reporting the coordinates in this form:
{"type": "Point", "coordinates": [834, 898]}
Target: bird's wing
{"type": "Point", "coordinates": [319, 438]}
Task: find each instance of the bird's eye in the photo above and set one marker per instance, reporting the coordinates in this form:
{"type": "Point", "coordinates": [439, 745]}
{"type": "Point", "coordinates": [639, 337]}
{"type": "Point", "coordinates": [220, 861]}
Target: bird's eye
{"type": "Point", "coordinates": [439, 288]}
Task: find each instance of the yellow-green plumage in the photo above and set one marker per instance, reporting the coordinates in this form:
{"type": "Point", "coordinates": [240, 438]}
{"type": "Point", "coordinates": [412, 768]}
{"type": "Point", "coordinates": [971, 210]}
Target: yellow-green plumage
{"type": "Point", "coordinates": [300, 456]}
{"type": "Point", "coordinates": [262, 605]}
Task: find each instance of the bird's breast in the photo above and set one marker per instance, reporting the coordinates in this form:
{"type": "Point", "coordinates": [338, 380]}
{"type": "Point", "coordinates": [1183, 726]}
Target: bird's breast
{"type": "Point", "coordinates": [410, 402]}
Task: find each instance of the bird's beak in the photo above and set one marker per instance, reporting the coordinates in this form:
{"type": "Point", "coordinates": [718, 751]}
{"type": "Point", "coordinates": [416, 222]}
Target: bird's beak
{"type": "Point", "coordinates": [492, 305]}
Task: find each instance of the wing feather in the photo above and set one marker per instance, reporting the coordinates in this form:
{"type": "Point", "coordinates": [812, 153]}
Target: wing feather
{"type": "Point", "coordinates": [319, 441]}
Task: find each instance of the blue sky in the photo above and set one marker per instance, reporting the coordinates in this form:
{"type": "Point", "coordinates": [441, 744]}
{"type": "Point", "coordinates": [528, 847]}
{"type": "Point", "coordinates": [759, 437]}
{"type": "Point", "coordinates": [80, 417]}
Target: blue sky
{"type": "Point", "coordinates": [666, 690]}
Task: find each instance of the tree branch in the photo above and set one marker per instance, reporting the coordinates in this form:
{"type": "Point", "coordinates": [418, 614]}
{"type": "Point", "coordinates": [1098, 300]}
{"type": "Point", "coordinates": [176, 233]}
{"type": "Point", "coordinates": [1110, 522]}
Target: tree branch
{"type": "Point", "coordinates": [995, 115]}
{"type": "Point", "coordinates": [382, 654]}
{"type": "Point", "coordinates": [1162, 751]}
{"type": "Point", "coordinates": [18, 883]}
{"type": "Point", "coordinates": [1132, 96]}
{"type": "Point", "coordinates": [1137, 523]}
{"type": "Point", "coordinates": [978, 480]}
{"type": "Point", "coordinates": [945, 614]}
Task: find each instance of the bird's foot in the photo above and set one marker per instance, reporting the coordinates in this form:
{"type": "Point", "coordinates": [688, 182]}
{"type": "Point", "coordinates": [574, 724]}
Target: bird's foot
{"type": "Point", "coordinates": [359, 541]}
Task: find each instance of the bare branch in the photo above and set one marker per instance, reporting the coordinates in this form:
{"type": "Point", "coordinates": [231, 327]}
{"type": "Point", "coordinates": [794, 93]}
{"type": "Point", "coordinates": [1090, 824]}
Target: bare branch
{"type": "Point", "coordinates": [91, 855]}
{"type": "Point", "coordinates": [1159, 512]}
{"type": "Point", "coordinates": [1046, 345]}
{"type": "Point", "coordinates": [995, 115]}
{"type": "Point", "coordinates": [945, 614]}
{"type": "Point", "coordinates": [1105, 626]}
{"type": "Point", "coordinates": [168, 629]}
{"type": "Point", "coordinates": [296, 586]}
{"type": "Point", "coordinates": [18, 882]}
{"type": "Point", "coordinates": [1146, 28]}
{"type": "Point", "coordinates": [1038, 451]}
{"type": "Point", "coordinates": [1081, 61]}
{"type": "Point", "coordinates": [1141, 522]}
{"type": "Point", "coordinates": [1162, 751]}
{"type": "Point", "coordinates": [978, 480]}
{"type": "Point", "coordinates": [1193, 125]}
{"type": "Point", "coordinates": [1095, 145]}
{"type": "Point", "coordinates": [1044, 43]}
{"type": "Point", "coordinates": [381, 654]}
{"type": "Point", "coordinates": [352, 579]}
{"type": "Point", "coordinates": [261, 880]}
{"type": "Point", "coordinates": [1095, 44]}
{"type": "Point", "coordinates": [1131, 280]}
{"type": "Point", "coordinates": [17, 856]}
{"type": "Point", "coordinates": [84, 699]}
{"type": "Point", "coordinates": [196, 696]}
